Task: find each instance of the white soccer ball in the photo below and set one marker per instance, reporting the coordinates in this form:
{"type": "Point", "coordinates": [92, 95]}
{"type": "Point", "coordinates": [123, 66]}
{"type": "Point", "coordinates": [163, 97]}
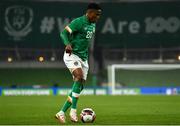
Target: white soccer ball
{"type": "Point", "coordinates": [87, 115]}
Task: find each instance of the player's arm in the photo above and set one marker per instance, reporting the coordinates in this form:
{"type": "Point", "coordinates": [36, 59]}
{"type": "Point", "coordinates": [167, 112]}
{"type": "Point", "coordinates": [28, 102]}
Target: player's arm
{"type": "Point", "coordinates": [65, 35]}
{"type": "Point", "coordinates": [74, 26]}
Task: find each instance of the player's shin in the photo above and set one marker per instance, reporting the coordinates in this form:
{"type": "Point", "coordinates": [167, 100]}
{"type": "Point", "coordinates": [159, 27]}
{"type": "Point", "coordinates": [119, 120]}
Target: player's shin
{"type": "Point", "coordinates": [68, 103]}
{"type": "Point", "coordinates": [75, 93]}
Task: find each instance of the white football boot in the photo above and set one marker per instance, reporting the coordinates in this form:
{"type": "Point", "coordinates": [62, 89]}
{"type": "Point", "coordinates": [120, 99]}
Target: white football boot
{"type": "Point", "coordinates": [60, 116]}
{"type": "Point", "coordinates": [73, 115]}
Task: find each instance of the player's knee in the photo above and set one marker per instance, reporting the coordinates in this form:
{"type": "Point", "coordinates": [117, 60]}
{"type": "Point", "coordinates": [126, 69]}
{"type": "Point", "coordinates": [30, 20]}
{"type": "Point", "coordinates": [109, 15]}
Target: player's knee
{"type": "Point", "coordinates": [79, 77]}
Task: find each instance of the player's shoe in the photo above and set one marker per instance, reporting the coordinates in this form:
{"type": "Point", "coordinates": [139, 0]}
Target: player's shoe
{"type": "Point", "coordinates": [73, 115]}
{"type": "Point", "coordinates": [60, 116]}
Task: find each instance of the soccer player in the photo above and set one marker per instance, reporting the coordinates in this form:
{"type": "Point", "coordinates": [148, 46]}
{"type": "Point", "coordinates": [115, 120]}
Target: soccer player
{"type": "Point", "coordinates": [77, 37]}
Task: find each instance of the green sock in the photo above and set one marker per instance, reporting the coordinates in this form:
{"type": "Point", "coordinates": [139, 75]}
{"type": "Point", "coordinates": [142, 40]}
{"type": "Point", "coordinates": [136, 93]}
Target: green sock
{"type": "Point", "coordinates": [75, 93]}
{"type": "Point", "coordinates": [67, 103]}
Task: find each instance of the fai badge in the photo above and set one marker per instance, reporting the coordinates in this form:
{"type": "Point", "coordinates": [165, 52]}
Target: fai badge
{"type": "Point", "coordinates": [18, 21]}
{"type": "Point", "coordinates": [76, 63]}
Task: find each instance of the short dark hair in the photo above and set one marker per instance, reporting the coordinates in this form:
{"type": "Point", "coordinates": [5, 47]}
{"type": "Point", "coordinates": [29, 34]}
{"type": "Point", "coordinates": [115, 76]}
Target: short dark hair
{"type": "Point", "coordinates": [94, 6]}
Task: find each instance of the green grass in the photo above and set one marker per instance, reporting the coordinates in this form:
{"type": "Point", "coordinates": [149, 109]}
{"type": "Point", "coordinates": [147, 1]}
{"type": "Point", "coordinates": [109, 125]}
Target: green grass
{"type": "Point", "coordinates": [109, 109]}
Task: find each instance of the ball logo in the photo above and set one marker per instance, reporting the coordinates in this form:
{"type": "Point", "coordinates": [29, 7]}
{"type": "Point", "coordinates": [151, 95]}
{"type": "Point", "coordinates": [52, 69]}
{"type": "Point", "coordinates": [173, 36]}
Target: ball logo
{"type": "Point", "coordinates": [18, 20]}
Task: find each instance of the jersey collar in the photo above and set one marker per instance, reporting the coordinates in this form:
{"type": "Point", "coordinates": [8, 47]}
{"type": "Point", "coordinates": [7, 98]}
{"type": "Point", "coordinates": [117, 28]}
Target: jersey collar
{"type": "Point", "coordinates": [86, 19]}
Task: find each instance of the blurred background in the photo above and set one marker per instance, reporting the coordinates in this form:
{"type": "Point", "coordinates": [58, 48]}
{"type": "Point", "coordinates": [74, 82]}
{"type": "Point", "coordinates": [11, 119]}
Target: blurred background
{"type": "Point", "coordinates": [141, 36]}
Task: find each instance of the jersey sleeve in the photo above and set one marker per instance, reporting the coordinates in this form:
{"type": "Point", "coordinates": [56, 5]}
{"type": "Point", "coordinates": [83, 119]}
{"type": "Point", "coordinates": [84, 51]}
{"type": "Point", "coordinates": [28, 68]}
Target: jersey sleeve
{"type": "Point", "coordinates": [65, 37]}
{"type": "Point", "coordinates": [75, 25]}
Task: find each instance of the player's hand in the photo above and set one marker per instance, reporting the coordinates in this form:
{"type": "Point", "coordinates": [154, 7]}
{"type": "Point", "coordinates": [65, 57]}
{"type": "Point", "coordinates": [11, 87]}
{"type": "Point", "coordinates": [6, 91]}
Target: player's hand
{"type": "Point", "coordinates": [68, 49]}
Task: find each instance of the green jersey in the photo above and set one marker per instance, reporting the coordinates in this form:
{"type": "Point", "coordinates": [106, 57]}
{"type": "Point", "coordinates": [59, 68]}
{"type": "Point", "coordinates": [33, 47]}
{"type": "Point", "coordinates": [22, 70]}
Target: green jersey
{"type": "Point", "coordinates": [81, 34]}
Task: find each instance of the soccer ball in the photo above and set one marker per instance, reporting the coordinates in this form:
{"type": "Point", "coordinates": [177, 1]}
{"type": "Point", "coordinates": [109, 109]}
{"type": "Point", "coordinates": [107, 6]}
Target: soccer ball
{"type": "Point", "coordinates": [87, 115]}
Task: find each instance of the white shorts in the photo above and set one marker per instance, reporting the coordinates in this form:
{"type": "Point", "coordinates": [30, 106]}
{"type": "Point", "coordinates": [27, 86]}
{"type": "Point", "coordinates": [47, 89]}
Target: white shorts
{"type": "Point", "coordinates": [73, 62]}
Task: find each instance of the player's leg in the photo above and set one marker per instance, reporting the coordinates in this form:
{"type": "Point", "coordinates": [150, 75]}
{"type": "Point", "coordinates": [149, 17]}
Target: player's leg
{"type": "Point", "coordinates": [67, 103]}
{"type": "Point", "coordinates": [72, 64]}
{"type": "Point", "coordinates": [80, 76]}
{"type": "Point", "coordinates": [61, 114]}
{"type": "Point", "coordinates": [76, 89]}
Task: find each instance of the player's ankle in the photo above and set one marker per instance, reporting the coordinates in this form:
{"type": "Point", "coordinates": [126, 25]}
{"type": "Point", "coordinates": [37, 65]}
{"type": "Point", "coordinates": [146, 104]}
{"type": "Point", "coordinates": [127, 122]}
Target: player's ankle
{"type": "Point", "coordinates": [61, 112]}
{"type": "Point", "coordinates": [73, 110]}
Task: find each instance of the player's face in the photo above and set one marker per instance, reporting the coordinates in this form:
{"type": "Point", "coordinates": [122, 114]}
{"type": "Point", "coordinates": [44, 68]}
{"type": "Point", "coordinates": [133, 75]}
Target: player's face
{"type": "Point", "coordinates": [94, 15]}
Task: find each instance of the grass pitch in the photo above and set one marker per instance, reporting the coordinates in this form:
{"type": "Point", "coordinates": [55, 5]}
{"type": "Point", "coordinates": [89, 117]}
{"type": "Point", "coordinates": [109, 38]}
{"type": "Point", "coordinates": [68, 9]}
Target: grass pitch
{"type": "Point", "coordinates": [119, 110]}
